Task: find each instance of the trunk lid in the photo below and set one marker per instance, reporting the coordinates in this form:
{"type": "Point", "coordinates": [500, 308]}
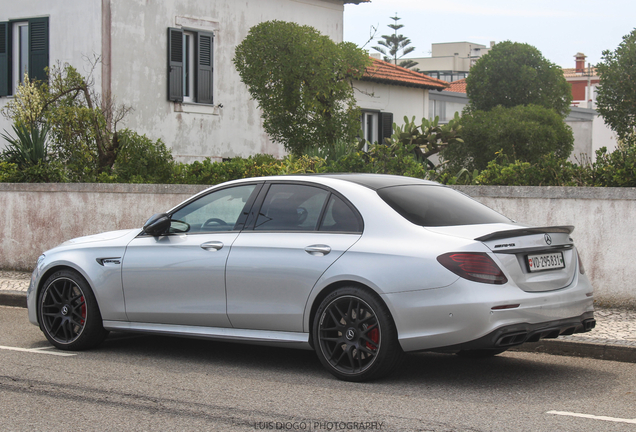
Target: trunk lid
{"type": "Point", "coordinates": [535, 258]}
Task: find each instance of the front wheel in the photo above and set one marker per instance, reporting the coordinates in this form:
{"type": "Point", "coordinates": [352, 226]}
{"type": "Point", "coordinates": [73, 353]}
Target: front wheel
{"type": "Point", "coordinates": [354, 335]}
{"type": "Point", "coordinates": [68, 312]}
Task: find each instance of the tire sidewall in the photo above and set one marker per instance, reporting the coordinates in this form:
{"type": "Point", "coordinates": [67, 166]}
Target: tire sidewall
{"type": "Point", "coordinates": [92, 321]}
{"type": "Point", "coordinates": [388, 335]}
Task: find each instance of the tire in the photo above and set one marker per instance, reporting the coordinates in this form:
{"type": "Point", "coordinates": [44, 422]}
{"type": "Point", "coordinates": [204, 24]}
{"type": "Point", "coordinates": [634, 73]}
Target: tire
{"type": "Point", "coordinates": [68, 313]}
{"type": "Point", "coordinates": [480, 353]}
{"type": "Point", "coordinates": [355, 337]}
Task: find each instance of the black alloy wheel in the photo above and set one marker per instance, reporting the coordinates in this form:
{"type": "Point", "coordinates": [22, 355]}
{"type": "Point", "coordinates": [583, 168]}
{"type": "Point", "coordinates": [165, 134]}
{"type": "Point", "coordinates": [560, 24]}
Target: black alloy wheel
{"type": "Point", "coordinates": [68, 312]}
{"type": "Point", "coordinates": [354, 336]}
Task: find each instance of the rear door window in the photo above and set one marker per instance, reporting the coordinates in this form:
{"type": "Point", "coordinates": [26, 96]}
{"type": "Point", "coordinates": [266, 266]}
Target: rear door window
{"type": "Point", "coordinates": [291, 207]}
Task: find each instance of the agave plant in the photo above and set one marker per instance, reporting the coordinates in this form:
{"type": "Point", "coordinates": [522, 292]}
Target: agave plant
{"type": "Point", "coordinates": [30, 146]}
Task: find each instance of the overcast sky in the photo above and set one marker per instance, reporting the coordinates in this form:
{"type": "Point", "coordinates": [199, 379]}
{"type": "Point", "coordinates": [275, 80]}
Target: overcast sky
{"type": "Point", "coordinates": [558, 28]}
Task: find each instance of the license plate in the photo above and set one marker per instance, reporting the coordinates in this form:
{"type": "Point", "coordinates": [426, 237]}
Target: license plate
{"type": "Point", "coordinates": [548, 261]}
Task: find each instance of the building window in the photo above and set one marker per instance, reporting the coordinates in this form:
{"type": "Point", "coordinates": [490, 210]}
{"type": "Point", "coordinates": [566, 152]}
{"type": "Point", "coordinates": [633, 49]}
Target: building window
{"type": "Point", "coordinates": [24, 48]}
{"type": "Point", "coordinates": [376, 126]}
{"type": "Point", "coordinates": [190, 66]}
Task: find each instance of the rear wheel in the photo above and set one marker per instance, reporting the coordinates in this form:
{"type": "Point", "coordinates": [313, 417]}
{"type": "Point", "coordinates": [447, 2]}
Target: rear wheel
{"type": "Point", "coordinates": [354, 336]}
{"type": "Point", "coordinates": [480, 353]}
{"type": "Point", "coordinates": [68, 312]}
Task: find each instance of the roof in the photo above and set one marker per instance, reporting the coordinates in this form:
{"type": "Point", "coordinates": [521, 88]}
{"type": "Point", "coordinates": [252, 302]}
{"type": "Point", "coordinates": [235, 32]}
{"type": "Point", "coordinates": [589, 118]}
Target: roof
{"type": "Point", "coordinates": [387, 73]}
{"type": "Point", "coordinates": [458, 86]}
{"type": "Point", "coordinates": [379, 181]}
{"type": "Point", "coordinates": [572, 73]}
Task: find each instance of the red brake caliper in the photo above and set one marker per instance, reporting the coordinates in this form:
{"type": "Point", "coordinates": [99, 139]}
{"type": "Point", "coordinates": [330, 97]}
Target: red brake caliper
{"type": "Point", "coordinates": [374, 335]}
{"type": "Point", "coordinates": [83, 309]}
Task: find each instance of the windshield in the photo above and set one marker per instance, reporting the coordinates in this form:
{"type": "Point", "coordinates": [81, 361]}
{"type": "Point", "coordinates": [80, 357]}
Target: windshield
{"type": "Point", "coordinates": [435, 206]}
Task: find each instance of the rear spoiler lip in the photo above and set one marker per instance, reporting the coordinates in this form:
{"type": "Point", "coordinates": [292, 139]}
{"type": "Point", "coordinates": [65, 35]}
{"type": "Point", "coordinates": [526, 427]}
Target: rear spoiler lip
{"type": "Point", "coordinates": [565, 229]}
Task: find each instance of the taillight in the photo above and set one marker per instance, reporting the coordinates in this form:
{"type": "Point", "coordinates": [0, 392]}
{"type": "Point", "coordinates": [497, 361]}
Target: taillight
{"type": "Point", "coordinates": [581, 268]}
{"type": "Point", "coordinates": [474, 266]}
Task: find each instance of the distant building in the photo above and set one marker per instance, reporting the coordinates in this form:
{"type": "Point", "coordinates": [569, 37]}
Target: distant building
{"type": "Point", "coordinates": [584, 81]}
{"type": "Point", "coordinates": [451, 61]}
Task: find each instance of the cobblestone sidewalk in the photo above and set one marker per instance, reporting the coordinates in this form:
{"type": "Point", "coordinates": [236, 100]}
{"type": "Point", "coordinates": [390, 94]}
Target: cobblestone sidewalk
{"type": "Point", "coordinates": [14, 281]}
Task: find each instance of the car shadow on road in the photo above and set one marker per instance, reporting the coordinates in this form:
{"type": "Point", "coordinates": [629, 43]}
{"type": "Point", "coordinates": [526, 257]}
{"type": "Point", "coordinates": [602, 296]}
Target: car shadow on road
{"type": "Point", "coordinates": [515, 373]}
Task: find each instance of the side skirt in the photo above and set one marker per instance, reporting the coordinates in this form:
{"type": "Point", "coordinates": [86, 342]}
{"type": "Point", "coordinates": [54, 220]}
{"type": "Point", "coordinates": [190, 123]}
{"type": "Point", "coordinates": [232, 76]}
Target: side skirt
{"type": "Point", "coordinates": [260, 337]}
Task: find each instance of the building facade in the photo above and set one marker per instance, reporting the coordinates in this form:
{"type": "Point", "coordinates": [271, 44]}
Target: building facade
{"type": "Point", "coordinates": [171, 61]}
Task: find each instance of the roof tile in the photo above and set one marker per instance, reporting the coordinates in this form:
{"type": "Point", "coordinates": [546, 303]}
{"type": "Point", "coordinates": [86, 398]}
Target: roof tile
{"type": "Point", "coordinates": [458, 86]}
{"type": "Point", "coordinates": [387, 73]}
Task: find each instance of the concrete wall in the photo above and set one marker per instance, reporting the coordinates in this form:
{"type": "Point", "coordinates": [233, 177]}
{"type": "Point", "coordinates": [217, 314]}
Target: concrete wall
{"type": "Point", "coordinates": [36, 217]}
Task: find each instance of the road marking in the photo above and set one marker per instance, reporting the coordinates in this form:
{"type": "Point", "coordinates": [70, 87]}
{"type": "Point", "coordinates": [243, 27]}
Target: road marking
{"type": "Point", "coordinates": [38, 351]}
{"type": "Point", "coordinates": [594, 417]}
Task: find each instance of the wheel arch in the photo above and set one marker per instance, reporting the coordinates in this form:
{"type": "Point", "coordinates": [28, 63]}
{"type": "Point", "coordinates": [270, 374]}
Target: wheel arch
{"type": "Point", "coordinates": [53, 269]}
{"type": "Point", "coordinates": [324, 292]}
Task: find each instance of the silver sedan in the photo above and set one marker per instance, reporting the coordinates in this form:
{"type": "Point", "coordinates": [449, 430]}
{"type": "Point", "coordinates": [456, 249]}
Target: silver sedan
{"type": "Point", "coordinates": [360, 268]}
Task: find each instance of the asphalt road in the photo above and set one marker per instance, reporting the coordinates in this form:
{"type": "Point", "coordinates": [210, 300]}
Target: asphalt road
{"type": "Point", "coordinates": [140, 382]}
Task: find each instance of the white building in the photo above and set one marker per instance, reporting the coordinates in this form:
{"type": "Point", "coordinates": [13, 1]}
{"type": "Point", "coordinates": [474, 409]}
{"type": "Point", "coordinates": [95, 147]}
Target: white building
{"type": "Point", "coordinates": [171, 60]}
{"type": "Point", "coordinates": [387, 93]}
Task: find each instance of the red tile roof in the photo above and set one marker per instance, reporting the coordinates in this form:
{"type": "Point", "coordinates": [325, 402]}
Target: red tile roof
{"type": "Point", "coordinates": [572, 73]}
{"type": "Point", "coordinates": [387, 73]}
{"type": "Point", "coordinates": [458, 86]}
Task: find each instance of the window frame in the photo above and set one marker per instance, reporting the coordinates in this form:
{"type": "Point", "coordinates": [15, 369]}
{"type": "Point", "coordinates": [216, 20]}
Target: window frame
{"type": "Point", "coordinates": [38, 52]}
{"type": "Point", "coordinates": [240, 223]}
{"type": "Point", "coordinates": [260, 199]}
{"type": "Point", "coordinates": [196, 65]}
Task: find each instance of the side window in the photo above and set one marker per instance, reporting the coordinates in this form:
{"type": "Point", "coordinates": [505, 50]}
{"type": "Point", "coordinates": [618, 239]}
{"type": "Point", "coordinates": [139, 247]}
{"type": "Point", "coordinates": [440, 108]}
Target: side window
{"type": "Point", "coordinates": [190, 66]}
{"type": "Point", "coordinates": [291, 208]}
{"type": "Point", "coordinates": [340, 217]}
{"type": "Point", "coordinates": [216, 211]}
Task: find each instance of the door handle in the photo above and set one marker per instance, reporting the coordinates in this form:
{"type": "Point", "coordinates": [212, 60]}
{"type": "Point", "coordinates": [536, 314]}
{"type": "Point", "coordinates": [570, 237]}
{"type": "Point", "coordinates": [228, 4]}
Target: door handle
{"type": "Point", "coordinates": [216, 245]}
{"type": "Point", "coordinates": [318, 250]}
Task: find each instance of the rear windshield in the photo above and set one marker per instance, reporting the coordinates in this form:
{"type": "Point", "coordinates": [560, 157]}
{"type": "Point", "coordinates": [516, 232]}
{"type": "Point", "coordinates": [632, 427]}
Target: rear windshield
{"type": "Point", "coordinates": [435, 206]}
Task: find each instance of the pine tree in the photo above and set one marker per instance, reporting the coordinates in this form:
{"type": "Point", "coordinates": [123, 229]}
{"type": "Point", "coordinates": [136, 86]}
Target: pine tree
{"type": "Point", "coordinates": [393, 44]}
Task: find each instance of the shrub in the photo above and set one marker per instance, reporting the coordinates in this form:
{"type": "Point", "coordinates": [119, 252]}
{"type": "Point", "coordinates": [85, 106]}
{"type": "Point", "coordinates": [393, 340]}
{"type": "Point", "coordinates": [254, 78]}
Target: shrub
{"type": "Point", "coordinates": [616, 169]}
{"type": "Point", "coordinates": [30, 146]}
{"type": "Point", "coordinates": [547, 171]}
{"type": "Point", "coordinates": [141, 160]}
{"type": "Point", "coordinates": [525, 133]}
{"type": "Point", "coordinates": [41, 172]}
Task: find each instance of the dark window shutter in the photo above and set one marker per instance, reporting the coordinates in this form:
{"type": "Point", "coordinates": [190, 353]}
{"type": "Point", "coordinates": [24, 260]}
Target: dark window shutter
{"type": "Point", "coordinates": [385, 125]}
{"type": "Point", "coordinates": [175, 65]}
{"type": "Point", "coordinates": [4, 59]}
{"type": "Point", "coordinates": [38, 48]}
{"type": "Point", "coordinates": [204, 67]}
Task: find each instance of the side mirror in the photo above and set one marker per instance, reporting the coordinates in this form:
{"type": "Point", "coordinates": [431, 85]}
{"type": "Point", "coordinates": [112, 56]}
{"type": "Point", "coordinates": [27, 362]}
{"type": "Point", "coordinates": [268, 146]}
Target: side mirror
{"type": "Point", "coordinates": [157, 224]}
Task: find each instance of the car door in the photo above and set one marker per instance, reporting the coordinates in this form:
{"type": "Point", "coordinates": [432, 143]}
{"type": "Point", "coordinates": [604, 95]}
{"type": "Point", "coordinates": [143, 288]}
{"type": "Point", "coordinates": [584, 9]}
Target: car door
{"type": "Point", "coordinates": [179, 278]}
{"type": "Point", "coordinates": [298, 233]}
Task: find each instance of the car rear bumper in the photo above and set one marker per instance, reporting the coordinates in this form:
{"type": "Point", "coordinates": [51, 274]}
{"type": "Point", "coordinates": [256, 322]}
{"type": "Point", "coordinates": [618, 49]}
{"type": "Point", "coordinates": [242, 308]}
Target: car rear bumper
{"type": "Point", "coordinates": [469, 315]}
{"type": "Point", "coordinates": [509, 336]}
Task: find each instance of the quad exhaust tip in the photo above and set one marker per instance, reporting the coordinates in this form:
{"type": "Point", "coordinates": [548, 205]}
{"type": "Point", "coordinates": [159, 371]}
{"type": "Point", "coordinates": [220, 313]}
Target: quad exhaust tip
{"type": "Point", "coordinates": [518, 338]}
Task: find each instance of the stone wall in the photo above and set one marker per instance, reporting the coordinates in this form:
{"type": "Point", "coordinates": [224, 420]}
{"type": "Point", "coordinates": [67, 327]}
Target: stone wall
{"type": "Point", "coordinates": [36, 217]}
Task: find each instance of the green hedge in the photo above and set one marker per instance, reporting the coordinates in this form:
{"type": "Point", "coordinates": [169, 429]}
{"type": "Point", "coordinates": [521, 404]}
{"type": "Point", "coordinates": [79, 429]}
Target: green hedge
{"type": "Point", "coordinates": [142, 160]}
